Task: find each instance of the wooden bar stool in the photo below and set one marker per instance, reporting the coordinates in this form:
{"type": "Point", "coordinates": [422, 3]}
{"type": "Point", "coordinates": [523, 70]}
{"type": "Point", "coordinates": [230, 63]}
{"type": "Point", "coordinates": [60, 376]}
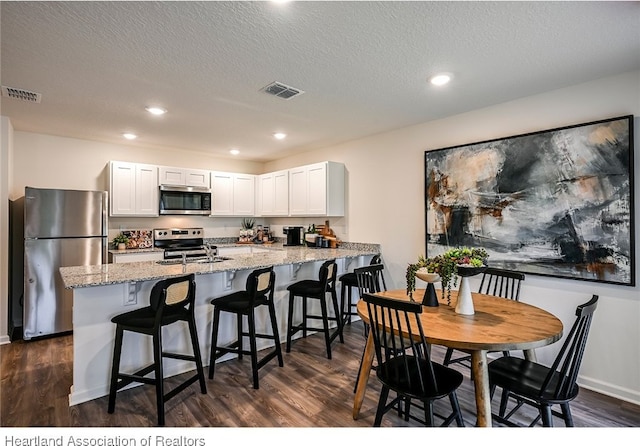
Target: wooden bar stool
{"type": "Point", "coordinates": [258, 292]}
{"type": "Point", "coordinates": [171, 300]}
{"type": "Point", "coordinates": [316, 289]}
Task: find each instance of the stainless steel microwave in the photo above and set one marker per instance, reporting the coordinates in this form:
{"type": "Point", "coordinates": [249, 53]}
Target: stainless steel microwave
{"type": "Point", "coordinates": [185, 200]}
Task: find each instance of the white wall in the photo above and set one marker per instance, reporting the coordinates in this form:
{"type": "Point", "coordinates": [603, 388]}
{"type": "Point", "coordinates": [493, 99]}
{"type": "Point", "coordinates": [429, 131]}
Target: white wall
{"type": "Point", "coordinates": [386, 205]}
{"type": "Point", "coordinates": [6, 144]}
{"type": "Point", "coordinates": [385, 202]}
{"type": "Point", "coordinates": [67, 163]}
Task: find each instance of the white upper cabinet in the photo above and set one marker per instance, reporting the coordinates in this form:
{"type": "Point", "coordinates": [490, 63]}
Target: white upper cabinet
{"type": "Point", "coordinates": [133, 189]}
{"type": "Point", "coordinates": [175, 176]}
{"type": "Point", "coordinates": [317, 190]}
{"type": "Point", "coordinates": [244, 194]}
{"type": "Point", "coordinates": [273, 194]}
{"type": "Point", "coordinates": [311, 190]}
{"type": "Point", "coordinates": [233, 194]}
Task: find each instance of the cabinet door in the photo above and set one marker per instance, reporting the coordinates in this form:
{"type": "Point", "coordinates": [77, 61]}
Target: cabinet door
{"type": "Point", "coordinates": [281, 193]}
{"type": "Point", "coordinates": [197, 178]}
{"type": "Point", "coordinates": [298, 191]}
{"type": "Point", "coordinates": [317, 189]}
{"type": "Point", "coordinates": [244, 192]}
{"type": "Point", "coordinates": [273, 194]}
{"type": "Point", "coordinates": [171, 176]}
{"type": "Point", "coordinates": [122, 189]}
{"type": "Point", "coordinates": [147, 190]}
{"type": "Point", "coordinates": [234, 250]}
{"type": "Point", "coordinates": [133, 189]}
{"type": "Point", "coordinates": [136, 257]}
{"type": "Point", "coordinates": [222, 193]}
{"type": "Point", "coordinates": [266, 194]}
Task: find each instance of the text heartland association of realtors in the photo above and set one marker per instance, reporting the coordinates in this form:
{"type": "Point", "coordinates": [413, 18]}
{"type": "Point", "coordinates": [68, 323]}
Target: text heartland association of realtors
{"type": "Point", "coordinates": [151, 440]}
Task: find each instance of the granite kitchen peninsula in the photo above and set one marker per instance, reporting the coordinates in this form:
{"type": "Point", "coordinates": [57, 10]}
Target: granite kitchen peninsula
{"type": "Point", "coordinates": [102, 291]}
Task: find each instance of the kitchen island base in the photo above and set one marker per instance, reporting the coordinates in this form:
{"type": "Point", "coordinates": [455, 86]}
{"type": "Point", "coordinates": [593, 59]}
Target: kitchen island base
{"type": "Point", "coordinates": [93, 331]}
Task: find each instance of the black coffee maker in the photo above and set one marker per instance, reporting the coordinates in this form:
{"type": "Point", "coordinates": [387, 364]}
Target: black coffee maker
{"type": "Point", "coordinates": [294, 235]}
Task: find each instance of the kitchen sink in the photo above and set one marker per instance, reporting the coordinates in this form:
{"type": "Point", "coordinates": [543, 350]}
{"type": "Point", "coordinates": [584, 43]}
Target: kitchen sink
{"type": "Point", "coordinates": [215, 259]}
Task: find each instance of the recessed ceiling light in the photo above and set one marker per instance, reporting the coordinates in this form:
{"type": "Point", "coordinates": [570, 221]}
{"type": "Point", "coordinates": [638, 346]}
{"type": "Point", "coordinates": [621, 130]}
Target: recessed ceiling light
{"type": "Point", "coordinates": [279, 135]}
{"type": "Point", "coordinates": [156, 110]}
{"type": "Point", "coordinates": [440, 79]}
{"type": "Point", "coordinates": [234, 151]}
{"type": "Point", "coordinates": [129, 135]}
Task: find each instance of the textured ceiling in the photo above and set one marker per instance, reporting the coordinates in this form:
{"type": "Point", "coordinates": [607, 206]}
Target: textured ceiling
{"type": "Point", "coordinates": [363, 66]}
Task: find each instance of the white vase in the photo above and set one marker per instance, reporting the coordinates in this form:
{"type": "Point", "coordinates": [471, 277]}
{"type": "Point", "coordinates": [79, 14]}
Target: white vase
{"type": "Point", "coordinates": [465, 301]}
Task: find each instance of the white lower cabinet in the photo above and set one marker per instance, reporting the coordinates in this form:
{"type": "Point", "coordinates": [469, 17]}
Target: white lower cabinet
{"type": "Point", "coordinates": [129, 257]}
{"type": "Point", "coordinates": [234, 250]}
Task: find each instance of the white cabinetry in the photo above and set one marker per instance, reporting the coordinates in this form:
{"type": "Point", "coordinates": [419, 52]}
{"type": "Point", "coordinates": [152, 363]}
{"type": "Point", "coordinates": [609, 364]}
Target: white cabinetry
{"type": "Point", "coordinates": [234, 250]}
{"type": "Point", "coordinates": [175, 176]}
{"type": "Point", "coordinates": [136, 257]}
{"type": "Point", "coordinates": [233, 194]}
{"type": "Point", "coordinates": [133, 189]}
{"type": "Point", "coordinates": [273, 194]}
{"type": "Point", "coordinates": [317, 189]}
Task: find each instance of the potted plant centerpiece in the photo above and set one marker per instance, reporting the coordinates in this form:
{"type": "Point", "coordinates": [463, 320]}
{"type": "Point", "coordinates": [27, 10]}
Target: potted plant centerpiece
{"type": "Point", "coordinates": [246, 233]}
{"type": "Point", "coordinates": [120, 241]}
{"type": "Point", "coordinates": [463, 262]}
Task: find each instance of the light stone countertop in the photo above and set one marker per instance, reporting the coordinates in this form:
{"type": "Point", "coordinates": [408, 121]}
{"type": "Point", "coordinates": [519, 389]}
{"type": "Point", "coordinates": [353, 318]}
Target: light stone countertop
{"type": "Point", "coordinates": [113, 273]}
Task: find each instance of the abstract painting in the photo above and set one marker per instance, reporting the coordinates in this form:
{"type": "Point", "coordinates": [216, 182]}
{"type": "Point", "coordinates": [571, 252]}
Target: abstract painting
{"type": "Point", "coordinates": [556, 203]}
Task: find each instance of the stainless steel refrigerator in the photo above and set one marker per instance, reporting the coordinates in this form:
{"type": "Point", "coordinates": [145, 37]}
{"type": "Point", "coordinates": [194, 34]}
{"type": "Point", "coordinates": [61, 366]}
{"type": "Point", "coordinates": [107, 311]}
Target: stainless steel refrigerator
{"type": "Point", "coordinates": [61, 228]}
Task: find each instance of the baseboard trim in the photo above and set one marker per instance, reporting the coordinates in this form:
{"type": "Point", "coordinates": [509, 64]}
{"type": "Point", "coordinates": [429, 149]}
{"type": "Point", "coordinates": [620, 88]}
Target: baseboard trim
{"type": "Point", "coordinates": [83, 396]}
{"type": "Point", "coordinates": [4, 339]}
{"type": "Point", "coordinates": [620, 393]}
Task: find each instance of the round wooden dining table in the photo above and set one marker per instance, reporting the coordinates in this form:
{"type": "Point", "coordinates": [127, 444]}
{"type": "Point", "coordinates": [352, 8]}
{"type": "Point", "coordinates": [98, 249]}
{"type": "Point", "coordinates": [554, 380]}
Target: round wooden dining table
{"type": "Point", "coordinates": [498, 324]}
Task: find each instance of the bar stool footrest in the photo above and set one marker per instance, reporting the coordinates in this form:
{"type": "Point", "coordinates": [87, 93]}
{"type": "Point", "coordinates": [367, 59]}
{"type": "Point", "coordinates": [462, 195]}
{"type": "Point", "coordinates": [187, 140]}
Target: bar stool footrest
{"type": "Point", "coordinates": [181, 387]}
{"type": "Point", "coordinates": [179, 356]}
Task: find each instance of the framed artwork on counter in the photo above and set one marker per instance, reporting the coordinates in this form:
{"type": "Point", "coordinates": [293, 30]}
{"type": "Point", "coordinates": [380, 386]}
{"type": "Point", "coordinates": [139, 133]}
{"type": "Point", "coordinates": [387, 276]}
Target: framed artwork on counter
{"type": "Point", "coordinates": [557, 202]}
{"type": "Point", "coordinates": [139, 238]}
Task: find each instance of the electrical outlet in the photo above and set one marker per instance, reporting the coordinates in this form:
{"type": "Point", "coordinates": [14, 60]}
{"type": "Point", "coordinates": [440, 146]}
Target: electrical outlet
{"type": "Point", "coordinates": [130, 294]}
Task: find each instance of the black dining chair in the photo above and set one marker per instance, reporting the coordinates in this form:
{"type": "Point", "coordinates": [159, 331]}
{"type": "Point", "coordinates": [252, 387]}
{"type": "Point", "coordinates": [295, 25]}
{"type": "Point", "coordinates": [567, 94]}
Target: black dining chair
{"type": "Point", "coordinates": [172, 300]}
{"type": "Point", "coordinates": [542, 387]}
{"type": "Point", "coordinates": [349, 282]}
{"type": "Point", "coordinates": [369, 279]}
{"type": "Point", "coordinates": [496, 282]}
{"type": "Point", "coordinates": [404, 364]}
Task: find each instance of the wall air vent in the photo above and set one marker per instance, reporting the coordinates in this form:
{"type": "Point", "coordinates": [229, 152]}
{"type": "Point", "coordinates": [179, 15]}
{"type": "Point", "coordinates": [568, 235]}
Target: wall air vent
{"type": "Point", "coordinates": [282, 91]}
{"type": "Point", "coordinates": [21, 95]}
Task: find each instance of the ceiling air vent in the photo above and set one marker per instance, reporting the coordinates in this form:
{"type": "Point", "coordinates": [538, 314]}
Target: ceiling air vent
{"type": "Point", "coordinates": [282, 91]}
{"type": "Point", "coordinates": [21, 95]}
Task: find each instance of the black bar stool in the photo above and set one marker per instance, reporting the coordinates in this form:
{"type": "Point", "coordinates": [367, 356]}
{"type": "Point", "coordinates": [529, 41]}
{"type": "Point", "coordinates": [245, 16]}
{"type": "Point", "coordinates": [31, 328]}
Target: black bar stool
{"type": "Point", "coordinates": [348, 282]}
{"type": "Point", "coordinates": [171, 300]}
{"type": "Point", "coordinates": [259, 291]}
{"type": "Point", "coordinates": [316, 289]}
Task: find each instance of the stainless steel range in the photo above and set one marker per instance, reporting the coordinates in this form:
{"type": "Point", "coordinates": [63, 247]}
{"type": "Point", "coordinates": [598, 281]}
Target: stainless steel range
{"type": "Point", "coordinates": [185, 245]}
{"type": "Point", "coordinates": [177, 242]}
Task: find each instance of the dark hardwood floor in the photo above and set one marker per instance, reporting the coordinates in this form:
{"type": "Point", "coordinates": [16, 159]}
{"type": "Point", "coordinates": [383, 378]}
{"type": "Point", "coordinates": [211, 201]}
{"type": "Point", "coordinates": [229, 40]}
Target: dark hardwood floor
{"type": "Point", "coordinates": [309, 391]}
